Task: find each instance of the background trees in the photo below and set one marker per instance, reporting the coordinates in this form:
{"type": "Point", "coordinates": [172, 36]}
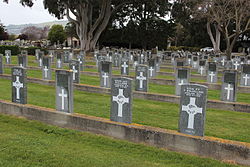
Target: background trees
{"type": "Point", "coordinates": [35, 33]}
{"type": "Point", "coordinates": [3, 33]}
{"type": "Point", "coordinates": [57, 34]}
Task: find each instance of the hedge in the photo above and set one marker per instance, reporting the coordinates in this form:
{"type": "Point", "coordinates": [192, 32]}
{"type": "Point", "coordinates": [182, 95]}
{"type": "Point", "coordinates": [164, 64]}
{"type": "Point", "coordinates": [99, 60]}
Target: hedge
{"type": "Point", "coordinates": [15, 50]}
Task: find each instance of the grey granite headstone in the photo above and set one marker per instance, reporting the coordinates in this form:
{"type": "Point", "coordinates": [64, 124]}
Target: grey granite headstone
{"type": "Point", "coordinates": [193, 109]}
{"type": "Point", "coordinates": [19, 85]}
{"type": "Point", "coordinates": [124, 66]}
{"type": "Point", "coordinates": [22, 59]}
{"type": "Point", "coordinates": [182, 76]}
{"type": "Point", "coordinates": [229, 85]}
{"type": "Point", "coordinates": [37, 53]}
{"type": "Point", "coordinates": [202, 67]}
{"type": "Point", "coordinates": [141, 78]}
{"type": "Point", "coordinates": [74, 65]}
{"type": "Point", "coordinates": [46, 68]}
{"type": "Point", "coordinates": [40, 58]}
{"type": "Point", "coordinates": [105, 74]}
{"type": "Point", "coordinates": [116, 60]}
{"type": "Point", "coordinates": [212, 73]}
{"type": "Point", "coordinates": [59, 62]}
{"type": "Point", "coordinates": [152, 68]}
{"type": "Point", "coordinates": [121, 100]}
{"type": "Point", "coordinates": [236, 65]}
{"type": "Point", "coordinates": [189, 60]}
{"type": "Point", "coordinates": [81, 59]}
{"type": "Point", "coordinates": [64, 91]}
{"type": "Point", "coordinates": [66, 56]}
{"type": "Point", "coordinates": [1, 64]}
{"type": "Point", "coordinates": [245, 75]}
{"type": "Point", "coordinates": [8, 56]}
{"type": "Point", "coordinates": [195, 62]}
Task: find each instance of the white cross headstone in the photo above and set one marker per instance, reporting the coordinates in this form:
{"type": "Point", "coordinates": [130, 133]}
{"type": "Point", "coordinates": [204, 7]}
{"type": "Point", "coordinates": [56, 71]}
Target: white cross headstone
{"type": "Point", "coordinates": [8, 58]}
{"type": "Point", "coordinates": [63, 95]}
{"type": "Point", "coordinates": [223, 62]}
{"type": "Point", "coordinates": [40, 62]}
{"type": "Point", "coordinates": [18, 85]}
{"type": "Point", "coordinates": [229, 89]}
{"type": "Point", "coordinates": [120, 99]}
{"type": "Point", "coordinates": [201, 70]}
{"type": "Point", "coordinates": [59, 61]}
{"type": "Point", "coordinates": [105, 77]}
{"type": "Point", "coordinates": [191, 110]}
{"type": "Point", "coordinates": [181, 83]}
{"type": "Point", "coordinates": [141, 78]}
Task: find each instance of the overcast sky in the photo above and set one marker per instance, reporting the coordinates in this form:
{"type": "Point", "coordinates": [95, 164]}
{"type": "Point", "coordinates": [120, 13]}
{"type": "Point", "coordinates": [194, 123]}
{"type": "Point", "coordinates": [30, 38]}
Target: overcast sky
{"type": "Point", "coordinates": [15, 13]}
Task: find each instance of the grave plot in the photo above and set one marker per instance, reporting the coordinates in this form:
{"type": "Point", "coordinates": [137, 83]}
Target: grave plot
{"type": "Point", "coordinates": [153, 113]}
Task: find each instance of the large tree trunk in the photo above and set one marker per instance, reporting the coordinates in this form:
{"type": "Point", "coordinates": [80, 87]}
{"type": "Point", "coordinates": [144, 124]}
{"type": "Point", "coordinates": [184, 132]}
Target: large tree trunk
{"type": "Point", "coordinates": [216, 41]}
{"type": "Point", "coordinates": [230, 44]}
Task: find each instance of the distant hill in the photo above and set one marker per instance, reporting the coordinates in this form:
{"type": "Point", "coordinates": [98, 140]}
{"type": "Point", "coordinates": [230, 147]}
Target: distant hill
{"type": "Point", "coordinates": [16, 29]}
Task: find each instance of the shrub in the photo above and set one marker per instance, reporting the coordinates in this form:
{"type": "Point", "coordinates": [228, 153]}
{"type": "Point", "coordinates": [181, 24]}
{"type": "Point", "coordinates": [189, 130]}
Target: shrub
{"type": "Point", "coordinates": [15, 50]}
{"type": "Point", "coordinates": [32, 50]}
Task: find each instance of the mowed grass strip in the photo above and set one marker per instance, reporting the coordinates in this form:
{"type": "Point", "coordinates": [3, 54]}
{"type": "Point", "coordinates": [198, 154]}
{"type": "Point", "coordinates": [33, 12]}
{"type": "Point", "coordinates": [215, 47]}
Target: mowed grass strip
{"type": "Point", "coordinates": [153, 88]}
{"type": "Point", "coordinates": [222, 124]}
{"type": "Point", "coordinates": [30, 143]}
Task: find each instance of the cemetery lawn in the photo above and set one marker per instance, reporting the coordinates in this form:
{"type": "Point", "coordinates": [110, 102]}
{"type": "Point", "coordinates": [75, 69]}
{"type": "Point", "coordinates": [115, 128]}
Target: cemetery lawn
{"type": "Point", "coordinates": [30, 143]}
{"type": "Point", "coordinates": [222, 124]}
{"type": "Point", "coordinates": [153, 88]}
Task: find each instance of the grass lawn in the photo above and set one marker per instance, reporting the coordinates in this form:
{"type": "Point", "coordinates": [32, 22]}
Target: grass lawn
{"type": "Point", "coordinates": [27, 143]}
{"type": "Point", "coordinates": [223, 124]}
{"type": "Point", "coordinates": [153, 88]}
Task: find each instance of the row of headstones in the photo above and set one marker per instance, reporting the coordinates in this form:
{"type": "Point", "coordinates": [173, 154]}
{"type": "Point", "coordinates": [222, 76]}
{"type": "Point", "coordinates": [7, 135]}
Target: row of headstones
{"type": "Point", "coordinates": [192, 103]}
{"type": "Point", "coordinates": [197, 62]}
{"type": "Point", "coordinates": [229, 82]}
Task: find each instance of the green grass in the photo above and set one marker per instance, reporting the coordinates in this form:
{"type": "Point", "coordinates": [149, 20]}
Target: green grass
{"type": "Point", "coordinates": [223, 124]}
{"type": "Point", "coordinates": [153, 88]}
{"type": "Point", "coordinates": [27, 143]}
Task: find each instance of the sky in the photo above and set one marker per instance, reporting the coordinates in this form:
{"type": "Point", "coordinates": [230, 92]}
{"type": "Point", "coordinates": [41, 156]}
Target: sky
{"type": "Point", "coordinates": [15, 13]}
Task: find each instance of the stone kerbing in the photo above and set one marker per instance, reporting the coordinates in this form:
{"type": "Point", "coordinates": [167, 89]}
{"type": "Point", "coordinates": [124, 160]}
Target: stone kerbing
{"type": "Point", "coordinates": [220, 149]}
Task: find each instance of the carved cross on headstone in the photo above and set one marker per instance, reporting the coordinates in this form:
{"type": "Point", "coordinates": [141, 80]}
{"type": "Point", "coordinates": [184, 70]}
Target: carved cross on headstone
{"type": "Point", "coordinates": [229, 89]}
{"type": "Point", "coordinates": [212, 75]}
{"type": "Point", "coordinates": [120, 99]}
{"type": "Point", "coordinates": [236, 64]}
{"type": "Point", "coordinates": [74, 72]}
{"type": "Point", "coordinates": [151, 69]}
{"type": "Point", "coordinates": [18, 85]}
{"type": "Point", "coordinates": [191, 110]}
{"type": "Point", "coordinates": [46, 71]}
{"type": "Point", "coordinates": [105, 77]}
{"type": "Point", "coordinates": [246, 78]}
{"type": "Point", "coordinates": [124, 66]}
{"type": "Point", "coordinates": [63, 95]}
{"type": "Point", "coordinates": [141, 78]}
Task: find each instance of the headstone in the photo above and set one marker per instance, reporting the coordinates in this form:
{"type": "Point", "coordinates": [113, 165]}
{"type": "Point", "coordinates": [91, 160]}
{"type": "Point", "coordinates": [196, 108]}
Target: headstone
{"type": "Point", "coordinates": [105, 74]}
{"type": "Point", "coordinates": [202, 67]}
{"type": "Point", "coordinates": [22, 59]}
{"type": "Point", "coordinates": [37, 53]}
{"type": "Point", "coordinates": [193, 109]}
{"type": "Point", "coordinates": [229, 86]}
{"type": "Point", "coordinates": [64, 91]}
{"type": "Point", "coordinates": [124, 66]}
{"type": "Point", "coordinates": [8, 56]}
{"type": "Point", "coordinates": [141, 78]}
{"type": "Point", "coordinates": [121, 100]}
{"type": "Point", "coordinates": [74, 66]}
{"type": "Point", "coordinates": [223, 61]}
{"type": "Point", "coordinates": [182, 76]}
{"type": "Point", "coordinates": [245, 75]}
{"type": "Point", "coordinates": [1, 64]}
{"type": "Point", "coordinates": [46, 68]}
{"type": "Point", "coordinates": [152, 68]}
{"type": "Point", "coordinates": [189, 60]}
{"type": "Point", "coordinates": [81, 59]}
{"type": "Point", "coordinates": [19, 85]}
{"type": "Point", "coordinates": [59, 62]}
{"type": "Point", "coordinates": [212, 73]}
{"type": "Point", "coordinates": [40, 58]}
{"type": "Point", "coordinates": [116, 60]}
{"type": "Point", "coordinates": [195, 64]}
{"type": "Point", "coordinates": [236, 65]}
{"type": "Point", "coordinates": [179, 63]}
{"type": "Point", "coordinates": [66, 56]}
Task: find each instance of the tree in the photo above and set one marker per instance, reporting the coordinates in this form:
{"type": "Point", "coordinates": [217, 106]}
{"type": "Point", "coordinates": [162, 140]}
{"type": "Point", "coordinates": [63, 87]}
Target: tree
{"type": "Point", "coordinates": [91, 17]}
{"type": "Point", "coordinates": [70, 30]}
{"type": "Point", "coordinates": [230, 17]}
{"type": "Point", "coordinates": [35, 33]}
{"type": "Point", "coordinates": [22, 37]}
{"type": "Point", "coordinates": [3, 33]}
{"type": "Point", "coordinates": [56, 34]}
